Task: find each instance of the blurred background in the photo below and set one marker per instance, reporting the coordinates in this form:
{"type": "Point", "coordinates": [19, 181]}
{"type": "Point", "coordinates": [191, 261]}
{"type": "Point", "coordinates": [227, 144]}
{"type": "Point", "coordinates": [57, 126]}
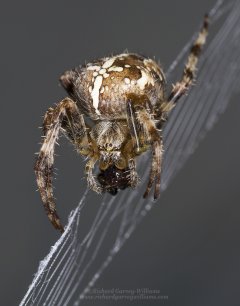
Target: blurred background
{"type": "Point", "coordinates": [188, 245]}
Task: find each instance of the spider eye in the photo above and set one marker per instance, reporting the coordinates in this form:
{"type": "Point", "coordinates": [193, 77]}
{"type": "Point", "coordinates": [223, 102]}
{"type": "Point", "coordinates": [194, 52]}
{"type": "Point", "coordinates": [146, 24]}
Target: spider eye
{"type": "Point", "coordinates": [108, 147]}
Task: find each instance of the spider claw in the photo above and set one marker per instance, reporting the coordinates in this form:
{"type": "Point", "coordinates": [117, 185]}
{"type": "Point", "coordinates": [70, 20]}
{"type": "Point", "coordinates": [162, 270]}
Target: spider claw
{"type": "Point", "coordinates": [156, 193]}
{"type": "Point", "coordinates": [146, 193]}
{"type": "Point", "coordinates": [157, 187]}
{"type": "Point", "coordinates": [53, 217]}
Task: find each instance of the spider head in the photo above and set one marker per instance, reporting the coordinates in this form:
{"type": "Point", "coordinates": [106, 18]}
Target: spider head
{"type": "Point", "coordinates": [110, 138]}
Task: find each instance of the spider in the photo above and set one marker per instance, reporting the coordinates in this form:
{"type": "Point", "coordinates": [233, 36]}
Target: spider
{"type": "Point", "coordinates": [125, 98]}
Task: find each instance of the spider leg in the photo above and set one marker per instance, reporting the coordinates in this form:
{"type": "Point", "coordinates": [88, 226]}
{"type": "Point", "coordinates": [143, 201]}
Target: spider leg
{"type": "Point", "coordinates": [147, 134]}
{"type": "Point", "coordinates": [133, 176]}
{"type": "Point", "coordinates": [54, 121]}
{"type": "Point", "coordinates": [139, 134]}
{"type": "Point", "coordinates": [181, 87]}
{"type": "Point", "coordinates": [129, 152]}
{"type": "Point", "coordinates": [155, 172]}
{"type": "Point", "coordinates": [92, 183]}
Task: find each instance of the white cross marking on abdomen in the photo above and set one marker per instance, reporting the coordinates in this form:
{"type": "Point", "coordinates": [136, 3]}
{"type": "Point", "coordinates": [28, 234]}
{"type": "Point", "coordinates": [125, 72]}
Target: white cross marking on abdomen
{"type": "Point", "coordinates": [95, 92]}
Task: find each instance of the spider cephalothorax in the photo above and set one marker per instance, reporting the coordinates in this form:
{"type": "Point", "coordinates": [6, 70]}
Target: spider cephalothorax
{"type": "Point", "coordinates": [124, 96]}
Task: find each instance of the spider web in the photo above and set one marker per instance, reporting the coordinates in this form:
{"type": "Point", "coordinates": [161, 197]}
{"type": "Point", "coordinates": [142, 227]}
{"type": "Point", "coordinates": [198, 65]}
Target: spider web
{"type": "Point", "coordinates": [70, 269]}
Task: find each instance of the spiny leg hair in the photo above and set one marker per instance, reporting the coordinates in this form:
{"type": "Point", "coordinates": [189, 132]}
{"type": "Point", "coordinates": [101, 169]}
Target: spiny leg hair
{"type": "Point", "coordinates": [54, 121]}
{"type": "Point", "coordinates": [133, 176]}
{"type": "Point", "coordinates": [145, 124]}
{"type": "Point", "coordinates": [181, 87]}
{"type": "Point", "coordinates": [92, 183]}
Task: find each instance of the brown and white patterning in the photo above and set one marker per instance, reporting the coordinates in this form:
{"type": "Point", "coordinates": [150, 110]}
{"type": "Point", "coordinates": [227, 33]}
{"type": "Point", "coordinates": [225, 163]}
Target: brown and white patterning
{"type": "Point", "coordinates": [124, 97]}
{"type": "Point", "coordinates": [104, 86]}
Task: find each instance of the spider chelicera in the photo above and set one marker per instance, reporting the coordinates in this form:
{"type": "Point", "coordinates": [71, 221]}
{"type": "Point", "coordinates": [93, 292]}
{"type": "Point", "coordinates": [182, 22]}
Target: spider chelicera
{"type": "Point", "coordinates": [124, 96]}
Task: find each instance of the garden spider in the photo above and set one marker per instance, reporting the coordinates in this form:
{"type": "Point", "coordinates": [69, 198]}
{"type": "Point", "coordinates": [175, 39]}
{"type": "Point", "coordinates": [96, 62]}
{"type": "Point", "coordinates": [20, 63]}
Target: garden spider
{"type": "Point", "coordinates": [124, 96]}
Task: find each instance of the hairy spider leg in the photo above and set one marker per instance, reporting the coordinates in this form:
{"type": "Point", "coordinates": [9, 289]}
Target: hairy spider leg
{"type": "Point", "coordinates": [145, 135]}
{"type": "Point", "coordinates": [64, 117]}
{"type": "Point", "coordinates": [133, 176]}
{"type": "Point", "coordinates": [92, 182]}
{"type": "Point", "coordinates": [181, 87]}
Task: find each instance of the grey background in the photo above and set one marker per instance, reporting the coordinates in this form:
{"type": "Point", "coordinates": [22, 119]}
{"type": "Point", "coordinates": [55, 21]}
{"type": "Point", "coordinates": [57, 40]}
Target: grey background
{"type": "Point", "coordinates": [188, 245]}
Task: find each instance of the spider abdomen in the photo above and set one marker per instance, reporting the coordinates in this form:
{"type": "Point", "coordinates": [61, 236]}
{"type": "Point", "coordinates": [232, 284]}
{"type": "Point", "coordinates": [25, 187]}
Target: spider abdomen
{"type": "Point", "coordinates": [101, 89]}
